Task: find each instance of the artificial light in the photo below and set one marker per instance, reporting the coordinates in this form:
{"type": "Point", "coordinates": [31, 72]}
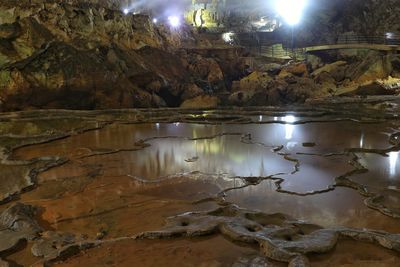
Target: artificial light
{"type": "Point", "coordinates": [174, 21]}
{"type": "Point", "coordinates": [291, 10]}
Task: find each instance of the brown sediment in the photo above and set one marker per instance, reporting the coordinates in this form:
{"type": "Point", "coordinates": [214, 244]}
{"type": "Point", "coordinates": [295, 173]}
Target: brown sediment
{"type": "Point", "coordinates": [180, 252]}
{"type": "Point", "coordinates": [359, 254]}
{"type": "Point", "coordinates": [278, 236]}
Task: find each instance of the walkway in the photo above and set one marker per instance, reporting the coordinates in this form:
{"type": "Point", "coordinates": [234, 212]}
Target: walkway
{"type": "Point", "coordinates": [380, 47]}
{"type": "Point", "coordinates": [268, 45]}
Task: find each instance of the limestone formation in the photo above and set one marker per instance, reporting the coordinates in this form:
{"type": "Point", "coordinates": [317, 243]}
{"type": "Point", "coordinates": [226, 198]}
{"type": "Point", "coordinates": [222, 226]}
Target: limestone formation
{"type": "Point", "coordinates": [69, 55]}
{"type": "Point", "coordinates": [201, 102]}
{"type": "Point", "coordinates": [50, 242]}
{"type": "Point", "coordinates": [17, 223]}
{"type": "Point", "coordinates": [279, 237]}
{"type": "Point", "coordinates": [19, 176]}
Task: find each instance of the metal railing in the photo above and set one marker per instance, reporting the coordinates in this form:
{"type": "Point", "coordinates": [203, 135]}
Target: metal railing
{"type": "Point", "coordinates": [388, 39]}
{"type": "Point", "coordinates": [256, 44]}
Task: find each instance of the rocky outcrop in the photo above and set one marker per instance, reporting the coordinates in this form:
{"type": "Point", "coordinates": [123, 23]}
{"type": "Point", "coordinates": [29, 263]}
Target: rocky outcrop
{"type": "Point", "coordinates": [255, 81]}
{"type": "Point", "coordinates": [279, 91]}
{"type": "Point", "coordinates": [17, 176]}
{"type": "Point", "coordinates": [278, 236]}
{"type": "Point", "coordinates": [16, 224]}
{"type": "Point", "coordinates": [71, 55]}
{"type": "Point", "coordinates": [74, 55]}
{"type": "Point", "coordinates": [298, 69]}
{"type": "Point", "coordinates": [201, 102]}
{"type": "Point", "coordinates": [50, 242]}
{"type": "Point", "coordinates": [208, 72]}
{"type": "Point", "coordinates": [295, 82]}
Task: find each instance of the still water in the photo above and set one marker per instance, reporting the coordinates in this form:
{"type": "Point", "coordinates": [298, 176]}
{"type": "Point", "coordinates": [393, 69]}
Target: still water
{"type": "Point", "coordinates": [219, 155]}
{"type": "Point", "coordinates": [123, 179]}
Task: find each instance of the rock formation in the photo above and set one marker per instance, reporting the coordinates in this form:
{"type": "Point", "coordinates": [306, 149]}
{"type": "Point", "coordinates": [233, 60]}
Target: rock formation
{"type": "Point", "coordinates": [17, 223]}
{"type": "Point", "coordinates": [66, 54]}
{"type": "Point", "coordinates": [55, 54]}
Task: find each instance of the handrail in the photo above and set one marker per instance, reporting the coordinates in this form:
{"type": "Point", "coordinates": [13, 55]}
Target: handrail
{"type": "Point", "coordinates": [258, 45]}
{"type": "Point", "coordinates": [255, 39]}
{"type": "Point", "coordinates": [389, 39]}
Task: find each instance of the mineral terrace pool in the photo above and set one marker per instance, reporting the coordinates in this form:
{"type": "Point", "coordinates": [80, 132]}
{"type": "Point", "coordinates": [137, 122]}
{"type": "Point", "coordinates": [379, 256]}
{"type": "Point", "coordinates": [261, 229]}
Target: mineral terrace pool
{"type": "Point", "coordinates": [258, 187]}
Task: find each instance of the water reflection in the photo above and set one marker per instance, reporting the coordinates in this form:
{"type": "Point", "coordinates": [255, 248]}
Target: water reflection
{"type": "Point", "coordinates": [224, 154]}
{"type": "Point", "coordinates": [393, 158]}
{"type": "Point", "coordinates": [289, 127]}
{"type": "Point", "coordinates": [362, 140]}
{"type": "Point", "coordinates": [228, 156]}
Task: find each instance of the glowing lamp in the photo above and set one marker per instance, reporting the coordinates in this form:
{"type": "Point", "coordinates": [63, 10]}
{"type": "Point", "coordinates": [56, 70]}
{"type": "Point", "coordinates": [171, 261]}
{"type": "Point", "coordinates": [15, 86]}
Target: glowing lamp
{"type": "Point", "coordinates": [126, 11]}
{"type": "Point", "coordinates": [174, 21]}
{"type": "Point", "coordinates": [155, 20]}
{"type": "Point", "coordinates": [291, 10]}
{"type": "Point", "coordinates": [228, 37]}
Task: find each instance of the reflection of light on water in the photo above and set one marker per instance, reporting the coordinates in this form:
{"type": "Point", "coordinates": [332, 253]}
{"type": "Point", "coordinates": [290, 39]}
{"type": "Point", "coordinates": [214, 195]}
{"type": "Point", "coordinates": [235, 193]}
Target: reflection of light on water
{"type": "Point", "coordinates": [393, 156]}
{"type": "Point", "coordinates": [289, 128]}
{"type": "Point", "coordinates": [362, 140]}
{"type": "Point", "coordinates": [291, 145]}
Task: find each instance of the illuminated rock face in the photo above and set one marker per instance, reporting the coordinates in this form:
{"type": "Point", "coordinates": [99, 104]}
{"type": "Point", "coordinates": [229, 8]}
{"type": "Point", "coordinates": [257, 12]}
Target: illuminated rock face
{"type": "Point", "coordinates": [90, 56]}
{"type": "Point", "coordinates": [65, 54]}
{"type": "Point", "coordinates": [206, 13]}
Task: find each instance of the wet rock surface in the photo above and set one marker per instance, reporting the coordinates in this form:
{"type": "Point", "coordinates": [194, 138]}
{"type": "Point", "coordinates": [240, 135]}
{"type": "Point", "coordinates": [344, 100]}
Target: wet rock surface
{"type": "Point", "coordinates": [50, 242]}
{"type": "Point", "coordinates": [17, 224]}
{"type": "Point", "coordinates": [279, 182]}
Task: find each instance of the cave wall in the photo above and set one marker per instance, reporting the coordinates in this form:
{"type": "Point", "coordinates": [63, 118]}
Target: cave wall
{"type": "Point", "coordinates": [324, 20]}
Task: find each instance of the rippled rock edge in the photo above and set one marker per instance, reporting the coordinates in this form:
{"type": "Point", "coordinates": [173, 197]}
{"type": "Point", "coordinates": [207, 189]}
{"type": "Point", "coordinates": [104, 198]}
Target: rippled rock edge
{"type": "Point", "coordinates": [279, 237]}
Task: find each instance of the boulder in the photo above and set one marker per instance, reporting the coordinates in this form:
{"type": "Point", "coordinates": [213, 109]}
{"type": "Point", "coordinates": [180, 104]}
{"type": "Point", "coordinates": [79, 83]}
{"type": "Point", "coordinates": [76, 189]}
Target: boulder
{"type": "Point", "coordinates": [332, 69]}
{"type": "Point", "coordinates": [391, 83]}
{"type": "Point", "coordinates": [270, 68]}
{"type": "Point", "coordinates": [291, 90]}
{"type": "Point", "coordinates": [191, 91]}
{"type": "Point", "coordinates": [326, 83]}
{"type": "Point", "coordinates": [297, 69]}
{"type": "Point", "coordinates": [280, 91]}
{"type": "Point", "coordinates": [255, 81]}
{"type": "Point", "coordinates": [241, 98]}
{"type": "Point", "coordinates": [374, 66]}
{"type": "Point", "coordinates": [315, 62]}
{"type": "Point", "coordinates": [201, 102]}
{"type": "Point", "coordinates": [208, 70]}
{"type": "Point", "coordinates": [373, 88]}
